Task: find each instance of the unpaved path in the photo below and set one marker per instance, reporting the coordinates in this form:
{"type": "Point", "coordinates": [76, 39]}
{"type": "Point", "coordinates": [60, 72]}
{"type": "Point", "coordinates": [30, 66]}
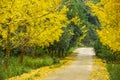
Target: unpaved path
{"type": "Point", "coordinates": [80, 69]}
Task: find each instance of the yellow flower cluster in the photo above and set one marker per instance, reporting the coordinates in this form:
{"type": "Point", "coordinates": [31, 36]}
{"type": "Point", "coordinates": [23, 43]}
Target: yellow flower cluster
{"type": "Point", "coordinates": [38, 21]}
{"type": "Point", "coordinates": [76, 20]}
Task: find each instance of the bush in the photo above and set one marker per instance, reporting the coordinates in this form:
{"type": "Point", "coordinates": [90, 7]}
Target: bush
{"type": "Point", "coordinates": [32, 63]}
{"type": "Point", "coordinates": [104, 52]}
{"type": "Point", "coordinates": [38, 62]}
{"type": "Point", "coordinates": [47, 61]}
{"type": "Point", "coordinates": [97, 47]}
{"type": "Point", "coordinates": [56, 60]}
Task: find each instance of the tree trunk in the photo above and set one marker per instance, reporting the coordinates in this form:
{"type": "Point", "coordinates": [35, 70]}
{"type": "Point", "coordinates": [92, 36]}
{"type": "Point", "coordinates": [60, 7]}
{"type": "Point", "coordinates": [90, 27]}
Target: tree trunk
{"type": "Point", "coordinates": [25, 40]}
{"type": "Point", "coordinates": [59, 53]}
{"type": "Point", "coordinates": [5, 65]}
{"type": "Point", "coordinates": [22, 54]}
{"type": "Point", "coordinates": [8, 50]}
{"type": "Point", "coordinates": [33, 52]}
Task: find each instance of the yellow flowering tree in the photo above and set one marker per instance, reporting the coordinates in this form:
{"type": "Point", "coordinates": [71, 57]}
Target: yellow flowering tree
{"type": "Point", "coordinates": [30, 22]}
{"type": "Point", "coordinates": [108, 13]}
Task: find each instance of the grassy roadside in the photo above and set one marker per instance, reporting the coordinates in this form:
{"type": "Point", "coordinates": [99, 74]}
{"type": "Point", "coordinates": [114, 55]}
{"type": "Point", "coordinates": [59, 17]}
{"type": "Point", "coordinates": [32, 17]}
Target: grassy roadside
{"type": "Point", "coordinates": [28, 64]}
{"type": "Point", "coordinates": [114, 71]}
{"type": "Point", "coordinates": [99, 70]}
{"type": "Point", "coordinates": [39, 74]}
{"type": "Point", "coordinates": [111, 58]}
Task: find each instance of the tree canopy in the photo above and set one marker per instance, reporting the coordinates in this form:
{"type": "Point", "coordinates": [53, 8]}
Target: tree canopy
{"type": "Point", "coordinates": [108, 13]}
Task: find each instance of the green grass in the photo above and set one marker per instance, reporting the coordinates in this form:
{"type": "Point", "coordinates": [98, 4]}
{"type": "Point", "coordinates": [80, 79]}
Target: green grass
{"type": "Point", "coordinates": [114, 71]}
{"type": "Point", "coordinates": [29, 63]}
{"type": "Point", "coordinates": [38, 62]}
{"type": "Point", "coordinates": [2, 74]}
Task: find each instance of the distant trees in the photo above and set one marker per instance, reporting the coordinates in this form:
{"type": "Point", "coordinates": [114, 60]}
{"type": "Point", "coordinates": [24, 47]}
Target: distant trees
{"type": "Point", "coordinates": [73, 33]}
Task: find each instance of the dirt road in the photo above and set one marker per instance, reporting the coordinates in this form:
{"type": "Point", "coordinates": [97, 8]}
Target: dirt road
{"type": "Point", "coordinates": [80, 69]}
